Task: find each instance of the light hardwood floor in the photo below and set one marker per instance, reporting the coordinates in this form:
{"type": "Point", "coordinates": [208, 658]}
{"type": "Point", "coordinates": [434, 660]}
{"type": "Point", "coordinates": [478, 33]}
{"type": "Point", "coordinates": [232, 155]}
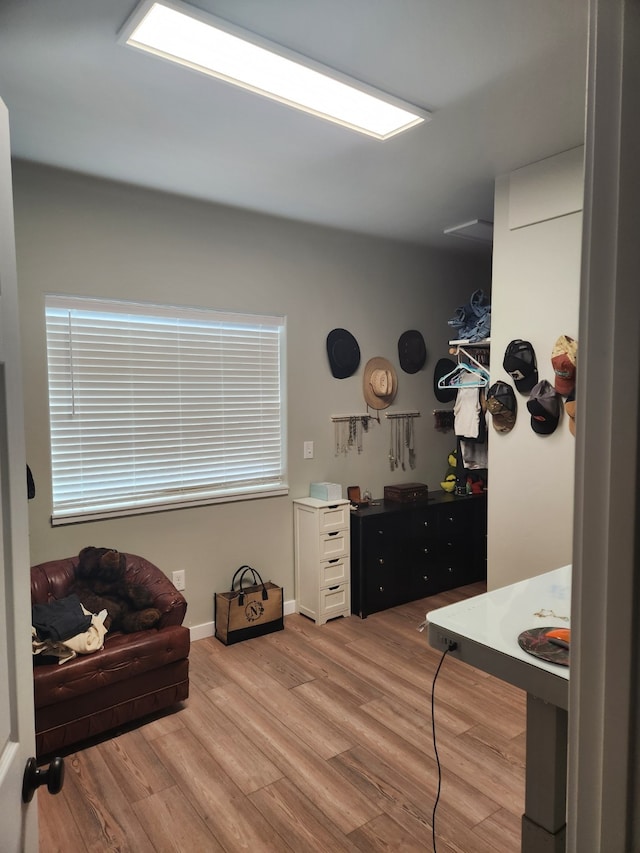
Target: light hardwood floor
{"type": "Point", "coordinates": [309, 739]}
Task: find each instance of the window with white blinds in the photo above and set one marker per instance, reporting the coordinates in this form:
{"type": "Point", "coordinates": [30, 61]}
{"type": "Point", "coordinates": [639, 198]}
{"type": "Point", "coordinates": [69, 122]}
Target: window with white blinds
{"type": "Point", "coordinates": [157, 407]}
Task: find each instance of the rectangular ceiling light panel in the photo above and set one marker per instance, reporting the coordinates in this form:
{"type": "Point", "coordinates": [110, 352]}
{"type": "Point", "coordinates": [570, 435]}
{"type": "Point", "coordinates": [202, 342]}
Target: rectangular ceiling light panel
{"type": "Point", "coordinates": [202, 42]}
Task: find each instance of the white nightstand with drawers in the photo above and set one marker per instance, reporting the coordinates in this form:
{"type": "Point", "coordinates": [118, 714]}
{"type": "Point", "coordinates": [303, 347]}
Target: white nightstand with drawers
{"type": "Point", "coordinates": [322, 564]}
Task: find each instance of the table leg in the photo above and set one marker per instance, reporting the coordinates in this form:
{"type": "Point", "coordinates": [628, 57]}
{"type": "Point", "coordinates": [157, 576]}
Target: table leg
{"type": "Point", "coordinates": [545, 814]}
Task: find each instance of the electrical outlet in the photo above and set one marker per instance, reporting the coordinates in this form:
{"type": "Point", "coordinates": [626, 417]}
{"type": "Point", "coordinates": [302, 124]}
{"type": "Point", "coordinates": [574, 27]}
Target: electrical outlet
{"type": "Point", "coordinates": [445, 642]}
{"type": "Point", "coordinates": [179, 579]}
{"type": "Point", "coordinates": [308, 450]}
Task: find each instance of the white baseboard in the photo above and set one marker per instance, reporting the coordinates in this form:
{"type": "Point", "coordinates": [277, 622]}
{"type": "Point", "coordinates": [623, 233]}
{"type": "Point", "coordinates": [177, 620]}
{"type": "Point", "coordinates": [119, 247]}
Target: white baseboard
{"type": "Point", "coordinates": [199, 632]}
{"type": "Point", "coordinates": [207, 629]}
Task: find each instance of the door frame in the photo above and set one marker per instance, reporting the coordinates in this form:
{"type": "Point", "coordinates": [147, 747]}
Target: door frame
{"type": "Point", "coordinates": [604, 750]}
{"type": "Point", "coordinates": [18, 821]}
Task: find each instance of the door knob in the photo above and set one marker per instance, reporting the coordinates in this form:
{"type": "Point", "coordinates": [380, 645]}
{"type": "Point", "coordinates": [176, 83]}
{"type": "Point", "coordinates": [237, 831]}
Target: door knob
{"type": "Point", "coordinates": [52, 777]}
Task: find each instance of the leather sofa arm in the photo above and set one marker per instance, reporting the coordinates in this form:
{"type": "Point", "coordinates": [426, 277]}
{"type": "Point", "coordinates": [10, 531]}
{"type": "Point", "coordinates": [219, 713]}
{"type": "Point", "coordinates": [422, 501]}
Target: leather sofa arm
{"type": "Point", "coordinates": [166, 598]}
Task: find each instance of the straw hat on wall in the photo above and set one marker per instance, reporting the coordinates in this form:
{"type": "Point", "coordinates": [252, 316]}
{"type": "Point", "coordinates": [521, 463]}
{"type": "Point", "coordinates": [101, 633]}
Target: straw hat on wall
{"type": "Point", "coordinates": [380, 383]}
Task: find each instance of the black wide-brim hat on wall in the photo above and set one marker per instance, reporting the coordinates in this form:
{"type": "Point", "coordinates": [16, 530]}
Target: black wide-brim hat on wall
{"type": "Point", "coordinates": [412, 351]}
{"type": "Point", "coordinates": [443, 366]}
{"type": "Point", "coordinates": [343, 352]}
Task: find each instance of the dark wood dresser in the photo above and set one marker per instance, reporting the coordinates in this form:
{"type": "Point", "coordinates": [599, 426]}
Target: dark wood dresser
{"type": "Point", "coordinates": [404, 551]}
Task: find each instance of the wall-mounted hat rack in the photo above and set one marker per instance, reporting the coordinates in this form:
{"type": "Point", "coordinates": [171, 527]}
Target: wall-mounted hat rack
{"type": "Point", "coordinates": [402, 439]}
{"type": "Point", "coordinates": [349, 430]}
{"type": "Point", "coordinates": [340, 418]}
{"type": "Point", "coordinates": [402, 414]}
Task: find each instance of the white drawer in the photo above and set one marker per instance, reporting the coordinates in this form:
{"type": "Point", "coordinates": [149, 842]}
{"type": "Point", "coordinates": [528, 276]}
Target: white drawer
{"type": "Point", "coordinates": [334, 600]}
{"type": "Point", "coordinates": [333, 572]}
{"type": "Point", "coordinates": [335, 544]}
{"type": "Point", "coordinates": [333, 517]}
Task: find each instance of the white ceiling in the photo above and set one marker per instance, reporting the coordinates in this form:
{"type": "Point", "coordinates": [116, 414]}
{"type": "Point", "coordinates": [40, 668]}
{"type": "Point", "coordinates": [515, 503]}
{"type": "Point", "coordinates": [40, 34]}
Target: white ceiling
{"type": "Point", "coordinates": [504, 79]}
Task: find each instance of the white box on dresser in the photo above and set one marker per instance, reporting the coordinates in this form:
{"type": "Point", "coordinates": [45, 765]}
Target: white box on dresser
{"type": "Point", "coordinates": [322, 564]}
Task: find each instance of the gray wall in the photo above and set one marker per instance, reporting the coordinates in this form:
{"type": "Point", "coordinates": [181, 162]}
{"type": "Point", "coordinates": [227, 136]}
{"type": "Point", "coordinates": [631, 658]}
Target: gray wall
{"type": "Point", "coordinates": [536, 296]}
{"type": "Point", "coordinates": [89, 237]}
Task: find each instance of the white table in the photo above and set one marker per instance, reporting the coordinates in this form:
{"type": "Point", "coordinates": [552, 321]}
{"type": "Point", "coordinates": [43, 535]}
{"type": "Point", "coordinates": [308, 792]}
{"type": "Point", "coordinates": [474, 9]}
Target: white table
{"type": "Point", "coordinates": [485, 629]}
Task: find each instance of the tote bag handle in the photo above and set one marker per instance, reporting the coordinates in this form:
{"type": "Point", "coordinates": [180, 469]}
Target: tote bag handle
{"type": "Point", "coordinates": [257, 581]}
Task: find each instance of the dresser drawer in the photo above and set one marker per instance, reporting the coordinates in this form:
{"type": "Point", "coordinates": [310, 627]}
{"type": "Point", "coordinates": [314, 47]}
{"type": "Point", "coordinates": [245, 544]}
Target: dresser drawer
{"type": "Point", "coordinates": [334, 544]}
{"type": "Point", "coordinates": [386, 587]}
{"type": "Point", "coordinates": [456, 523]}
{"type": "Point", "coordinates": [382, 530]}
{"type": "Point", "coordinates": [382, 544]}
{"type": "Point", "coordinates": [333, 518]}
{"type": "Point", "coordinates": [334, 600]}
{"type": "Point", "coordinates": [334, 572]}
{"type": "Point", "coordinates": [423, 523]}
{"type": "Point", "coordinates": [450, 574]}
{"type": "Point", "coordinates": [424, 581]}
{"type": "Point", "coordinates": [423, 553]}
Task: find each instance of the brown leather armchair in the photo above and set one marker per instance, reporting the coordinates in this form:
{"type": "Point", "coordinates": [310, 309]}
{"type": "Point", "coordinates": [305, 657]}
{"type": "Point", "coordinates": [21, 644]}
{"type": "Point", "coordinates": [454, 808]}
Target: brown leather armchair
{"type": "Point", "coordinates": [132, 676]}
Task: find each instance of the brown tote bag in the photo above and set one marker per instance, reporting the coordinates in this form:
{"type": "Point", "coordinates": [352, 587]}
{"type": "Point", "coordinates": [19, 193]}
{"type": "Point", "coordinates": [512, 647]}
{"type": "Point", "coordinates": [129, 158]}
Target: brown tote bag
{"type": "Point", "coordinates": [253, 609]}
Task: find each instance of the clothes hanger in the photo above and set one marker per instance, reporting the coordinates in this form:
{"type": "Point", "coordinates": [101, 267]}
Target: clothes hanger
{"type": "Point", "coordinates": [459, 377]}
{"type": "Point", "coordinates": [456, 377]}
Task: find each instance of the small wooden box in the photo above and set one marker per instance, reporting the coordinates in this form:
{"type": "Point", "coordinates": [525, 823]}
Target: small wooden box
{"type": "Point", "coordinates": [406, 492]}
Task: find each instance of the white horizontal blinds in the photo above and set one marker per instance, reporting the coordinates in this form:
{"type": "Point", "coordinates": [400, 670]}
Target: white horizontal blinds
{"type": "Point", "coordinates": [152, 406]}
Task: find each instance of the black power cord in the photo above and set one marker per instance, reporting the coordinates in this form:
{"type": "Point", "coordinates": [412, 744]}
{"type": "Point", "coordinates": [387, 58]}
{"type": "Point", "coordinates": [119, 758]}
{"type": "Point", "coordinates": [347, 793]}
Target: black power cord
{"type": "Point", "coordinates": [451, 647]}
